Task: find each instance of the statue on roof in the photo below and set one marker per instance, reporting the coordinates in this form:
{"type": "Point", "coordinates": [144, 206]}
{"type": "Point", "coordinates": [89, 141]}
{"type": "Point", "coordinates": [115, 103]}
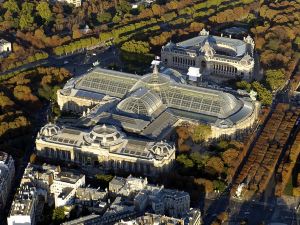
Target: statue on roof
{"type": "Point", "coordinates": [204, 32]}
{"type": "Point", "coordinates": [249, 40]}
{"type": "Point", "coordinates": [207, 49]}
{"type": "Point", "coordinates": [155, 70]}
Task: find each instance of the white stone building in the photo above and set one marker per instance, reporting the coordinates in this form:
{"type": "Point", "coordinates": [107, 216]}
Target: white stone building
{"type": "Point", "coordinates": [152, 219]}
{"type": "Point", "coordinates": [5, 46]}
{"type": "Point", "coordinates": [94, 199]}
{"type": "Point", "coordinates": [104, 146]}
{"type": "Point", "coordinates": [162, 201]}
{"type": "Point", "coordinates": [134, 197]}
{"type": "Point", "coordinates": [76, 3]}
{"type": "Point", "coordinates": [218, 57]}
{"type": "Point", "coordinates": [151, 105]}
{"type": "Point", "coordinates": [193, 218]}
{"type": "Point", "coordinates": [64, 187]}
{"type": "Point", "coordinates": [7, 172]}
{"type": "Point", "coordinates": [24, 206]}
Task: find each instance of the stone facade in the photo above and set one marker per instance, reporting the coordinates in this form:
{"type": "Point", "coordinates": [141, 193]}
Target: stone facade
{"type": "Point", "coordinates": [7, 172]}
{"type": "Point", "coordinates": [5, 46]}
{"type": "Point", "coordinates": [106, 147]}
{"type": "Point", "coordinates": [24, 206]}
{"type": "Point", "coordinates": [151, 105]}
{"type": "Point", "coordinates": [220, 56]}
{"type": "Point", "coordinates": [76, 3]}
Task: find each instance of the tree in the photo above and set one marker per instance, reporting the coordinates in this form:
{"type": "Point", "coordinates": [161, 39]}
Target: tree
{"type": "Point", "coordinates": [219, 185]}
{"type": "Point", "coordinates": [26, 22]}
{"type": "Point", "coordinates": [196, 26]}
{"type": "Point", "coordinates": [185, 161]}
{"type": "Point", "coordinates": [157, 10]}
{"type": "Point", "coordinates": [123, 7]}
{"type": "Point", "coordinates": [11, 5]}
{"type": "Point", "coordinates": [199, 159]}
{"type": "Point", "coordinates": [243, 85]}
{"type": "Point", "coordinates": [223, 145]}
{"type": "Point", "coordinates": [133, 46]}
{"type": "Point", "coordinates": [44, 11]}
{"type": "Point", "coordinates": [117, 19]}
{"type": "Point", "coordinates": [23, 93]}
{"type": "Point", "coordinates": [214, 165]}
{"type": "Point", "coordinates": [201, 132]}
{"type": "Point", "coordinates": [5, 102]}
{"type": "Point", "coordinates": [208, 185]}
{"type": "Point", "coordinates": [32, 158]}
{"type": "Point", "coordinates": [275, 79]}
{"type": "Point", "coordinates": [215, 223]}
{"type": "Point", "coordinates": [27, 8]}
{"type": "Point", "coordinates": [230, 156]}
{"type": "Point", "coordinates": [182, 132]}
{"type": "Point", "coordinates": [76, 34]}
{"type": "Point", "coordinates": [264, 95]}
{"type": "Point", "coordinates": [59, 215]}
{"type": "Point", "coordinates": [104, 179]}
{"type": "Point", "coordinates": [223, 217]}
{"type": "Point", "coordinates": [104, 17]}
{"type": "Point", "coordinates": [296, 192]}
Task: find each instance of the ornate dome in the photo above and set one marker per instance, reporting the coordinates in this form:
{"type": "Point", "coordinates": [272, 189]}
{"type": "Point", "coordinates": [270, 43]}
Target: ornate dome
{"type": "Point", "coordinates": [104, 135]}
{"type": "Point", "coordinates": [161, 149]}
{"type": "Point", "coordinates": [142, 101]}
{"type": "Point", "coordinates": [49, 130]}
{"type": "Point", "coordinates": [155, 78]}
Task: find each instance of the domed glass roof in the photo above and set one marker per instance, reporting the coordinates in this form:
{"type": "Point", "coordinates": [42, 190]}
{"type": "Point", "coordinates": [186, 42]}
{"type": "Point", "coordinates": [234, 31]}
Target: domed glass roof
{"type": "Point", "coordinates": [104, 135]}
{"type": "Point", "coordinates": [142, 101]}
{"type": "Point", "coordinates": [155, 78]}
{"type": "Point", "coordinates": [49, 130]}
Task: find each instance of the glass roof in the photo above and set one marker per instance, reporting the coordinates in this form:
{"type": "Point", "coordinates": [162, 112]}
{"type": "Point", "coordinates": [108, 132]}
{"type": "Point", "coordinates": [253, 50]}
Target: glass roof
{"type": "Point", "coordinates": [152, 90]}
{"type": "Point", "coordinates": [105, 82]}
{"type": "Point", "coordinates": [142, 101]}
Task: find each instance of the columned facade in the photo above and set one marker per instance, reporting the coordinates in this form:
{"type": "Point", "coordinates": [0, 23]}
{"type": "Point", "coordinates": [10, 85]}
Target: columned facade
{"type": "Point", "coordinates": [106, 148]}
{"type": "Point", "coordinates": [219, 56]}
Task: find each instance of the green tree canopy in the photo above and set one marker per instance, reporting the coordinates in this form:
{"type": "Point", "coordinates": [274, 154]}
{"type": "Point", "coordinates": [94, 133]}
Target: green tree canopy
{"type": "Point", "coordinates": [133, 46]}
{"type": "Point", "coordinates": [201, 132]}
{"type": "Point", "coordinates": [123, 7]}
{"type": "Point", "coordinates": [275, 79]}
{"type": "Point", "coordinates": [264, 95]}
{"type": "Point", "coordinates": [26, 18]}
{"type": "Point", "coordinates": [219, 185]}
{"type": "Point", "coordinates": [222, 145]}
{"type": "Point", "coordinates": [26, 22]}
{"type": "Point", "coordinates": [185, 161]}
{"type": "Point", "coordinates": [58, 215]}
{"type": "Point", "coordinates": [243, 85]}
{"type": "Point", "coordinates": [11, 5]}
{"type": "Point", "coordinates": [117, 19]}
{"type": "Point", "coordinates": [27, 8]}
{"type": "Point", "coordinates": [44, 11]}
{"type": "Point", "coordinates": [199, 159]}
{"type": "Point", "coordinates": [104, 17]}
{"type": "Point", "coordinates": [104, 179]}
